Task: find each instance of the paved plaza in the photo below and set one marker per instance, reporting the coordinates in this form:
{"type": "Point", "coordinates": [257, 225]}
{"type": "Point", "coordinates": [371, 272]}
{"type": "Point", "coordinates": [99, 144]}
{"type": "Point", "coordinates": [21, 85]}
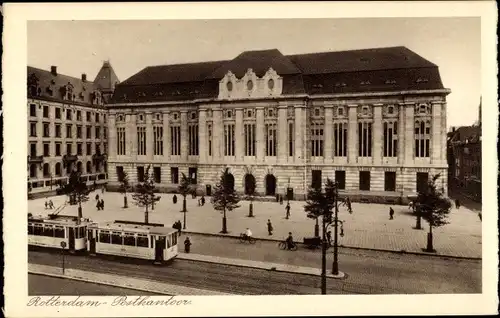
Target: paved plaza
{"type": "Point", "coordinates": [367, 227]}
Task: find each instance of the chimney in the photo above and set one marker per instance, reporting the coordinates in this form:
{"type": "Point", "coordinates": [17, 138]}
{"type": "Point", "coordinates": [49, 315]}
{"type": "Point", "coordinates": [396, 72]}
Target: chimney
{"type": "Point", "coordinates": [53, 70]}
{"type": "Point", "coordinates": [84, 77]}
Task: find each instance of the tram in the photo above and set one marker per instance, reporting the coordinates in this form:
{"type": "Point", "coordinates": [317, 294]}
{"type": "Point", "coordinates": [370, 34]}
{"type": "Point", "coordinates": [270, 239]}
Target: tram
{"type": "Point", "coordinates": [58, 231]}
{"type": "Point", "coordinates": [150, 241]}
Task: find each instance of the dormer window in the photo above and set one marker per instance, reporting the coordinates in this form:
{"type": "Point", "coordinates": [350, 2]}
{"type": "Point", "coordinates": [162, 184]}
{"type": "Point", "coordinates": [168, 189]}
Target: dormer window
{"type": "Point", "coordinates": [365, 83]}
{"type": "Point", "coordinates": [229, 114]}
{"type": "Point", "coordinates": [229, 86]}
{"type": "Point", "coordinates": [390, 110]}
{"type": "Point", "coordinates": [270, 84]}
{"type": "Point", "coordinates": [340, 111]}
{"type": "Point", "coordinates": [249, 85]}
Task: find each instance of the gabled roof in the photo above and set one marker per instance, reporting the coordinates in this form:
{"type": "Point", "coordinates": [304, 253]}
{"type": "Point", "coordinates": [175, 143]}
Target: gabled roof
{"type": "Point", "coordinates": [50, 86]}
{"type": "Point", "coordinates": [259, 62]}
{"type": "Point", "coordinates": [176, 73]}
{"type": "Point", "coordinates": [106, 79]}
{"type": "Point", "coordinates": [467, 134]}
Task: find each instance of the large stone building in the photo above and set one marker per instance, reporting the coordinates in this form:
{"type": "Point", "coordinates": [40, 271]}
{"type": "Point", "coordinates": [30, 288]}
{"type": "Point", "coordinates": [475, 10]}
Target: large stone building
{"type": "Point", "coordinates": [374, 120]}
{"type": "Point", "coordinates": [66, 126]}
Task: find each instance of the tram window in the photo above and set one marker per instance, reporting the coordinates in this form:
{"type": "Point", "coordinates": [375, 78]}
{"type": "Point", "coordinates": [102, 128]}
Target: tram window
{"type": "Point", "coordinates": [38, 230]}
{"type": "Point", "coordinates": [30, 229]}
{"type": "Point", "coordinates": [48, 230]}
{"type": "Point", "coordinates": [142, 241]}
{"type": "Point", "coordinates": [169, 241]}
{"type": "Point", "coordinates": [58, 231]}
{"type": "Point", "coordinates": [81, 232]}
{"type": "Point", "coordinates": [174, 239]}
{"type": "Point", "coordinates": [129, 239]}
{"type": "Point", "coordinates": [116, 238]}
{"type": "Point", "coordinates": [162, 241]}
{"type": "Point", "coordinates": [104, 237]}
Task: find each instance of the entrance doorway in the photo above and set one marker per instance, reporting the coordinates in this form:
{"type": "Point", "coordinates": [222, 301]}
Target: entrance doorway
{"type": "Point", "coordinates": [390, 181]}
{"type": "Point", "coordinates": [270, 185]}
{"type": "Point", "coordinates": [422, 181]}
{"type": "Point", "coordinates": [249, 184]}
{"type": "Point", "coordinates": [230, 181]}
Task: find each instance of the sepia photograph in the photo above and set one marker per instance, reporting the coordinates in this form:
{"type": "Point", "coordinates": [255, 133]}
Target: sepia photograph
{"type": "Point", "coordinates": [173, 158]}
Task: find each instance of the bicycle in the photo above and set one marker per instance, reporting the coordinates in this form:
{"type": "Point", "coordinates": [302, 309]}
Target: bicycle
{"type": "Point", "coordinates": [245, 238]}
{"type": "Point", "coordinates": [284, 245]}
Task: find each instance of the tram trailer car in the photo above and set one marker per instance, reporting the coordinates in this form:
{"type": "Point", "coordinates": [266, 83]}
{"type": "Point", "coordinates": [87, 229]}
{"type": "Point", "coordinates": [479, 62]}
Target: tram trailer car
{"type": "Point", "coordinates": [58, 231]}
{"type": "Point", "coordinates": [150, 241]}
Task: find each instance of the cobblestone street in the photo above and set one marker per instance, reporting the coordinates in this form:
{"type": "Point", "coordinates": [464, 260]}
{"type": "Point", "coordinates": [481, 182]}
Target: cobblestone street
{"type": "Point", "coordinates": [367, 227]}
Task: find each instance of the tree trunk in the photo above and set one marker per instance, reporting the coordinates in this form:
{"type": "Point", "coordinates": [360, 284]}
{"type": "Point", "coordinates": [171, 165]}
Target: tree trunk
{"type": "Point", "coordinates": [184, 209]}
{"type": "Point", "coordinates": [224, 222]}
{"type": "Point", "coordinates": [146, 215]}
{"type": "Point", "coordinates": [316, 229]}
{"type": "Point", "coordinates": [125, 203]}
{"type": "Point", "coordinates": [250, 209]}
{"type": "Point", "coordinates": [430, 247]}
{"type": "Point", "coordinates": [418, 226]}
{"type": "Point", "coordinates": [323, 259]}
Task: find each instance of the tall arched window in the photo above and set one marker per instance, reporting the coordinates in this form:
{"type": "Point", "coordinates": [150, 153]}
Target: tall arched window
{"type": "Point", "coordinates": [46, 170]}
{"type": "Point", "coordinates": [422, 138]}
{"type": "Point", "coordinates": [33, 171]}
{"type": "Point", "coordinates": [58, 169]}
{"type": "Point", "coordinates": [89, 167]}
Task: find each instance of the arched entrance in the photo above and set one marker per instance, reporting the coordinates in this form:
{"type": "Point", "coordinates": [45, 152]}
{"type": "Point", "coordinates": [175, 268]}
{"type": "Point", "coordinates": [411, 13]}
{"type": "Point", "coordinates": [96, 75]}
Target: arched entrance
{"type": "Point", "coordinates": [249, 184]}
{"type": "Point", "coordinates": [230, 181]}
{"type": "Point", "coordinates": [270, 185]}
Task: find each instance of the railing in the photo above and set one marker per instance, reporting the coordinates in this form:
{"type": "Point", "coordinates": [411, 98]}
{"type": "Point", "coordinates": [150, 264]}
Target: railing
{"type": "Point", "coordinates": [35, 159]}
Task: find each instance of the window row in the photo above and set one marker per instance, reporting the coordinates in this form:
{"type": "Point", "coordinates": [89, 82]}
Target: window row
{"type": "Point", "coordinates": [157, 174]}
{"type": "Point", "coordinates": [71, 131]}
{"type": "Point", "coordinates": [69, 113]}
{"type": "Point", "coordinates": [58, 151]}
{"type": "Point", "coordinates": [47, 171]}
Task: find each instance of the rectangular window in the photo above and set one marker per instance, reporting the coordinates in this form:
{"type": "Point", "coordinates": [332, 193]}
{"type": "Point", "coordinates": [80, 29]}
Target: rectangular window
{"type": "Point", "coordinates": [364, 139]}
{"type": "Point", "coordinates": [157, 174]}
{"type": "Point", "coordinates": [422, 138]}
{"type": "Point", "coordinates": [68, 114]}
{"type": "Point", "coordinates": [78, 131]}
{"type": "Point", "coordinates": [174, 175]}
{"type": "Point", "coordinates": [33, 129]}
{"type": "Point", "coordinates": [58, 131]}
{"type": "Point", "coordinates": [78, 115]}
{"type": "Point", "coordinates": [58, 113]}
{"type": "Point", "coordinates": [422, 181]}
{"type": "Point", "coordinates": [141, 141]}
{"type": "Point", "coordinates": [142, 241]}
{"type": "Point", "coordinates": [97, 148]}
{"type": "Point", "coordinates": [119, 173]}
{"type": "Point", "coordinates": [32, 110]}
{"type": "Point", "coordinates": [69, 131]}
{"type": "Point", "coordinates": [97, 132]}
{"type": "Point", "coordinates": [390, 181]}
{"type": "Point", "coordinates": [121, 145]}
{"type": "Point", "coordinates": [46, 130]}
{"type": "Point", "coordinates": [88, 133]}
{"type": "Point", "coordinates": [271, 138]}
{"type": "Point", "coordinates": [69, 149]}
{"type": "Point", "coordinates": [58, 149]}
{"type": "Point", "coordinates": [317, 139]}
{"type": "Point", "coordinates": [46, 149]}
{"type": "Point", "coordinates": [104, 237]}
{"type": "Point", "coordinates": [45, 111]}
{"type": "Point", "coordinates": [89, 149]}
{"type": "Point", "coordinates": [391, 139]}
{"type": "Point", "coordinates": [340, 139]}
{"type": "Point", "coordinates": [140, 174]}
{"type": "Point", "coordinates": [364, 180]}
{"type": "Point", "coordinates": [97, 117]}
{"type": "Point", "coordinates": [229, 140]}
{"type": "Point", "coordinates": [340, 179]}
{"type": "Point", "coordinates": [175, 140]}
{"type": "Point", "coordinates": [209, 134]}
{"type": "Point", "coordinates": [316, 178]}
{"type": "Point", "coordinates": [193, 174]}
{"type": "Point", "coordinates": [291, 138]}
{"type": "Point", "coordinates": [79, 149]}
{"type": "Point", "coordinates": [193, 139]}
{"type": "Point", "coordinates": [249, 132]}
{"type": "Point", "coordinates": [158, 140]}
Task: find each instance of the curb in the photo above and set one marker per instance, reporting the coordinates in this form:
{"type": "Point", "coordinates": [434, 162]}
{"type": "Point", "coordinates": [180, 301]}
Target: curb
{"type": "Point", "coordinates": [343, 246]}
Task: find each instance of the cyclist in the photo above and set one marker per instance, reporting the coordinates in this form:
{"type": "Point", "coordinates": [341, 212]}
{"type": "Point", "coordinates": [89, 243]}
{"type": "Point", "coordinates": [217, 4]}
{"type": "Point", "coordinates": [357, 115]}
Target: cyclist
{"type": "Point", "coordinates": [248, 233]}
{"type": "Point", "coordinates": [289, 241]}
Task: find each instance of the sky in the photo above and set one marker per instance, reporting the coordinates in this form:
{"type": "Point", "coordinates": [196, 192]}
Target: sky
{"type": "Point", "coordinates": [77, 47]}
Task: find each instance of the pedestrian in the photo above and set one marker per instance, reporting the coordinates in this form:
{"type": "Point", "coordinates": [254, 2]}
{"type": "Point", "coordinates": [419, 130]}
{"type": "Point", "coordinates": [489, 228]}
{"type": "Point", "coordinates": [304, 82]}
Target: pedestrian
{"type": "Point", "coordinates": [202, 200]}
{"type": "Point", "coordinates": [97, 197]}
{"type": "Point", "coordinates": [174, 199]}
{"type": "Point", "coordinates": [102, 204]}
{"type": "Point", "coordinates": [287, 208]}
{"type": "Point", "coordinates": [329, 238]}
{"type": "Point", "coordinates": [51, 204]}
{"type": "Point", "coordinates": [187, 245]}
{"type": "Point", "coordinates": [281, 199]}
{"type": "Point", "coordinates": [391, 213]}
{"type": "Point", "coordinates": [179, 227]}
{"type": "Point", "coordinates": [102, 189]}
{"type": "Point", "coordinates": [46, 205]}
{"type": "Point", "coordinates": [269, 227]}
{"type": "Point", "coordinates": [457, 204]}
{"type": "Point", "coordinates": [348, 202]}
{"type": "Point", "coordinates": [98, 205]}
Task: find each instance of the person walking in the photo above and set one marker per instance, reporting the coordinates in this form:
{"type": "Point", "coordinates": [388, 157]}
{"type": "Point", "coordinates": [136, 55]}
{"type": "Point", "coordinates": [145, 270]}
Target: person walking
{"type": "Point", "coordinates": [287, 208]}
{"type": "Point", "coordinates": [281, 199]}
{"type": "Point", "coordinates": [391, 213]}
{"type": "Point", "coordinates": [187, 245]}
{"type": "Point", "coordinates": [348, 202]}
{"type": "Point", "coordinates": [97, 197]}
{"type": "Point", "coordinates": [98, 205]}
{"type": "Point", "coordinates": [102, 204]}
{"type": "Point", "coordinates": [269, 227]}
{"type": "Point", "coordinates": [202, 200]}
{"type": "Point", "coordinates": [174, 199]}
{"type": "Point", "coordinates": [46, 205]}
{"type": "Point", "coordinates": [51, 204]}
{"type": "Point", "coordinates": [329, 238]}
{"type": "Point", "coordinates": [457, 204]}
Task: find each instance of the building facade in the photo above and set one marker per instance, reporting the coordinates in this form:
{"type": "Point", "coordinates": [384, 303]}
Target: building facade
{"type": "Point", "coordinates": [373, 120]}
{"type": "Point", "coordinates": [67, 128]}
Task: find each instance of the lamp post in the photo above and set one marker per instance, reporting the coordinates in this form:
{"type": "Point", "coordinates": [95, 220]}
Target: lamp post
{"type": "Point", "coordinates": [63, 246]}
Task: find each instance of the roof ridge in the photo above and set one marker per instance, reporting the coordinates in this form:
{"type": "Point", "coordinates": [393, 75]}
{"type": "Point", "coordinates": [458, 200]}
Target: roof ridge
{"type": "Point", "coordinates": [61, 74]}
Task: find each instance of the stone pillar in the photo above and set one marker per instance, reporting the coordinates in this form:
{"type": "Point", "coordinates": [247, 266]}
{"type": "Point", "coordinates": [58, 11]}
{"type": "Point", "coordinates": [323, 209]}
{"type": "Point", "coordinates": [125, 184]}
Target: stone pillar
{"type": "Point", "coordinates": [132, 135]}
{"type": "Point", "coordinates": [377, 133]}
{"type": "Point", "coordinates": [436, 148]}
{"type": "Point", "coordinates": [184, 136]}
{"type": "Point", "coordinates": [299, 133]}
{"type": "Point", "coordinates": [112, 136]}
{"type": "Point", "coordinates": [218, 130]}
{"type": "Point", "coordinates": [282, 134]}
{"type": "Point", "coordinates": [166, 136]}
{"type": "Point", "coordinates": [401, 135]}
{"type": "Point", "coordinates": [444, 158]}
{"type": "Point", "coordinates": [202, 135]}
{"type": "Point", "coordinates": [409, 130]}
{"type": "Point", "coordinates": [149, 136]}
{"type": "Point", "coordinates": [238, 135]}
{"type": "Point", "coordinates": [260, 136]}
{"type": "Point", "coordinates": [328, 155]}
{"type": "Point", "coordinates": [352, 135]}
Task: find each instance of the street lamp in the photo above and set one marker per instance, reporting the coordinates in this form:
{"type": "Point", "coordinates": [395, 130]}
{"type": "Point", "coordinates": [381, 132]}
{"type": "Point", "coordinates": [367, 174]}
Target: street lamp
{"type": "Point", "coordinates": [63, 246]}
